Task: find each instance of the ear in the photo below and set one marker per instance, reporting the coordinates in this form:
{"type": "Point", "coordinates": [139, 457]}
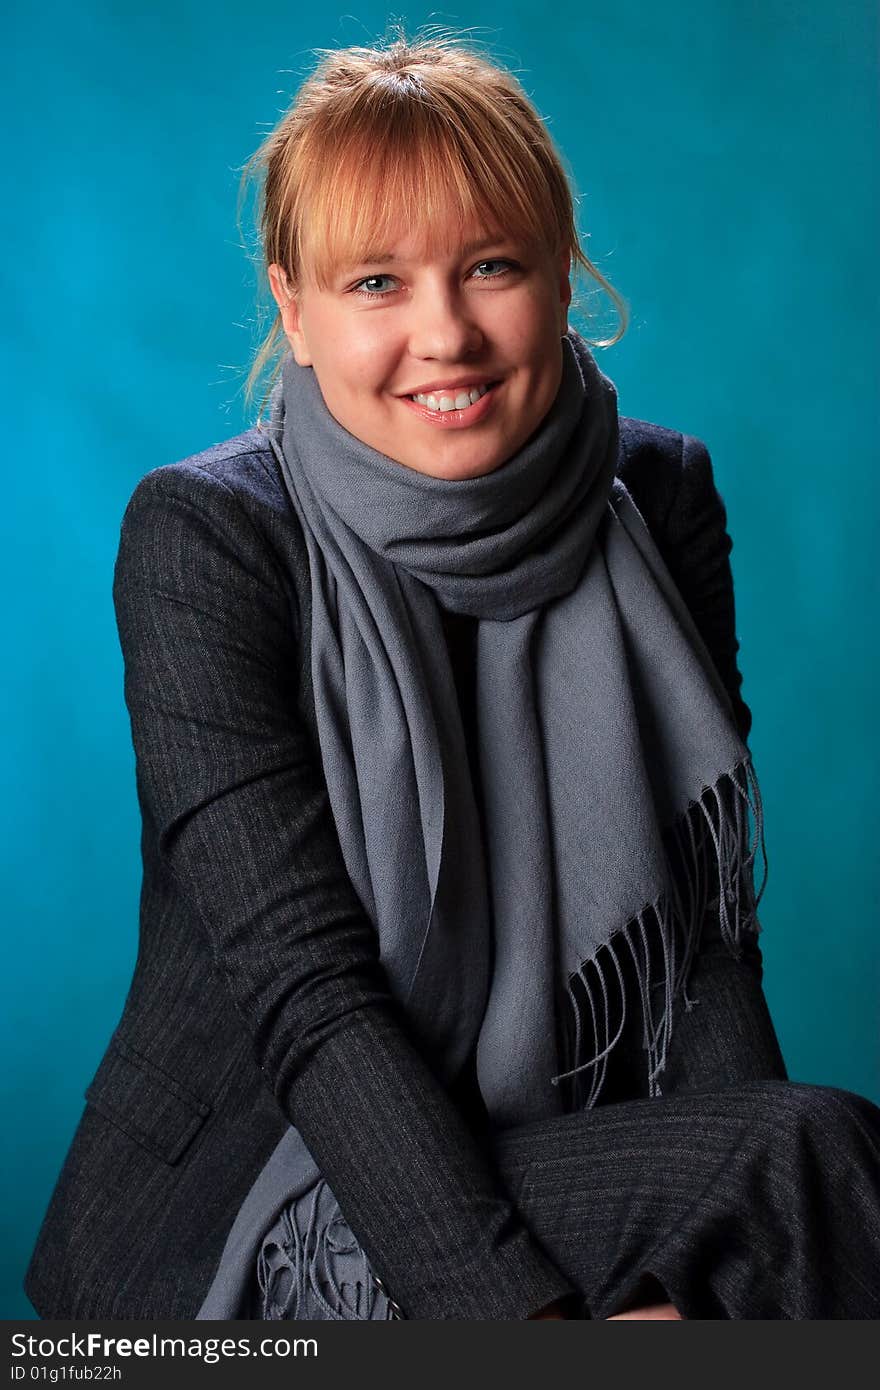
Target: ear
{"type": "Point", "coordinates": [564, 288]}
{"type": "Point", "coordinates": [291, 315]}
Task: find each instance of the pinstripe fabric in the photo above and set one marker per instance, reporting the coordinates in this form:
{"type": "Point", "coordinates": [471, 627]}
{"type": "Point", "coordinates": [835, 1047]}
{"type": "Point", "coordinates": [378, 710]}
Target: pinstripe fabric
{"type": "Point", "coordinates": [761, 1200]}
{"type": "Point", "coordinates": [257, 997]}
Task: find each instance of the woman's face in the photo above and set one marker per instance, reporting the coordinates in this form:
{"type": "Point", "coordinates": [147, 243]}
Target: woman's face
{"type": "Point", "coordinates": [484, 322]}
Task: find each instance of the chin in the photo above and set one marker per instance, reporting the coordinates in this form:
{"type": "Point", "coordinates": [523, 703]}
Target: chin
{"type": "Point", "coordinates": [458, 470]}
{"type": "Point", "coordinates": [456, 467]}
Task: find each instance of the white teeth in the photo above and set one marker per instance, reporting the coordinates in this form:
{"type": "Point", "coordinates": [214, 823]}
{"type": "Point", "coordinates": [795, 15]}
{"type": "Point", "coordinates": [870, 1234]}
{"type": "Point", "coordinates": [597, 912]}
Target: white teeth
{"type": "Point", "coordinates": [447, 402]}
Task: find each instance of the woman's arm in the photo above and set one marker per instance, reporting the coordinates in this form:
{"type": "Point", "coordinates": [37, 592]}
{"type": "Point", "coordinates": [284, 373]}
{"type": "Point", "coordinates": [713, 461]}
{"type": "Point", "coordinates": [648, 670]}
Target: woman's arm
{"type": "Point", "coordinates": [729, 1036]}
{"type": "Point", "coordinates": [227, 773]}
{"type": "Point", "coordinates": [696, 547]}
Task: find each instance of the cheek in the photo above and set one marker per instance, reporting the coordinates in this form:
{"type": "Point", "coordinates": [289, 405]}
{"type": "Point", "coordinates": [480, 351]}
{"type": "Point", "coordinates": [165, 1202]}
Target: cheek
{"type": "Point", "coordinates": [350, 350]}
{"type": "Point", "coordinates": [366, 359]}
{"type": "Point", "coordinates": [528, 328]}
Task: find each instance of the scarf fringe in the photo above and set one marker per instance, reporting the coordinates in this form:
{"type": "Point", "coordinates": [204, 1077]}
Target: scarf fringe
{"type": "Point", "coordinates": [710, 851]}
{"type": "Point", "coordinates": [295, 1271]}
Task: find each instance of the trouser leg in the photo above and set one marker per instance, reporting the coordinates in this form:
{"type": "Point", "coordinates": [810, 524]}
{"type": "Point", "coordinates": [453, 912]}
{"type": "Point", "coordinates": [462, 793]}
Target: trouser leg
{"type": "Point", "coordinates": [756, 1201]}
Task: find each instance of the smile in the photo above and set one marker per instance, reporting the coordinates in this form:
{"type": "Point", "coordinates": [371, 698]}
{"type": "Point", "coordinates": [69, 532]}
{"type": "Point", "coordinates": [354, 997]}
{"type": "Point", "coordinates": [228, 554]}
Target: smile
{"type": "Point", "coordinates": [453, 411]}
{"type": "Point", "coordinates": [442, 400]}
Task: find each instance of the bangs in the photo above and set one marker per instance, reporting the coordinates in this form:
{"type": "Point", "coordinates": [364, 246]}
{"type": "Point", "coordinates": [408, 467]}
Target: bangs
{"type": "Point", "coordinates": [412, 171]}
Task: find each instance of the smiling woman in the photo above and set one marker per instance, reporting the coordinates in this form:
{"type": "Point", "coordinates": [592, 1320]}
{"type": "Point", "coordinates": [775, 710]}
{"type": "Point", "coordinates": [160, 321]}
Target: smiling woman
{"type": "Point", "coordinates": [449, 818]}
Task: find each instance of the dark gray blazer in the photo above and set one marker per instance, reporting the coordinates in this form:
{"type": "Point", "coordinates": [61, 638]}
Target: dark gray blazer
{"type": "Point", "coordinates": [257, 997]}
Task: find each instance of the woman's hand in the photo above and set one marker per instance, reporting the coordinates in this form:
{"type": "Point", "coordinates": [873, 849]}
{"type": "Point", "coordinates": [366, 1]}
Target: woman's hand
{"type": "Point", "coordinates": [653, 1312]}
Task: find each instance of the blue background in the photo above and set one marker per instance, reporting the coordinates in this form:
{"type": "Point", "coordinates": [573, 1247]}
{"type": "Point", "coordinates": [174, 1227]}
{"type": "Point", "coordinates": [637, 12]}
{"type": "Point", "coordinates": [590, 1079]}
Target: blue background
{"type": "Point", "coordinates": [726, 154]}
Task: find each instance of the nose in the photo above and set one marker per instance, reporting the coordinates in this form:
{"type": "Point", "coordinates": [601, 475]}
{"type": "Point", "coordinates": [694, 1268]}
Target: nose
{"type": "Point", "coordinates": [443, 325]}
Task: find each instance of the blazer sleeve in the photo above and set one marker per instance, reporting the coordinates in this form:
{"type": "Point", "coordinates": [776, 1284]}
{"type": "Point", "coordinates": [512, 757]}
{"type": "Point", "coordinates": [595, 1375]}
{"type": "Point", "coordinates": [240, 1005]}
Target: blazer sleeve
{"type": "Point", "coordinates": [228, 773]}
{"type": "Point", "coordinates": [728, 1037]}
{"type": "Point", "coordinates": [696, 547]}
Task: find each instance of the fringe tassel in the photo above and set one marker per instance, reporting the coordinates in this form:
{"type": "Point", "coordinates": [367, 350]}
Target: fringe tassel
{"type": "Point", "coordinates": [709, 852]}
{"type": "Point", "coordinates": [295, 1271]}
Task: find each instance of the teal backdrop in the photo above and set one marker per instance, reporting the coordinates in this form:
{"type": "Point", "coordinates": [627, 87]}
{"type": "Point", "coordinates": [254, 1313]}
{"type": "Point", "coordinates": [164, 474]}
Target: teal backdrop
{"type": "Point", "coordinates": [726, 157]}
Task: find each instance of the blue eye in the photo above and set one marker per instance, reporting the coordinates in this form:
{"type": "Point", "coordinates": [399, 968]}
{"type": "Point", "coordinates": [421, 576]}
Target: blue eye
{"type": "Point", "coordinates": [372, 294]}
{"type": "Point", "coordinates": [501, 268]}
{"type": "Point", "coordinates": [506, 267]}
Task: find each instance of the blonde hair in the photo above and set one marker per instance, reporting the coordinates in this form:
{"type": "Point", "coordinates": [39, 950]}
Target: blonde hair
{"type": "Point", "coordinates": [434, 121]}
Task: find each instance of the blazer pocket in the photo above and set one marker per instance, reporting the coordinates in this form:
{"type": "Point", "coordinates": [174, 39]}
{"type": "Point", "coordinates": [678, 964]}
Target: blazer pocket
{"type": "Point", "coordinates": [146, 1103]}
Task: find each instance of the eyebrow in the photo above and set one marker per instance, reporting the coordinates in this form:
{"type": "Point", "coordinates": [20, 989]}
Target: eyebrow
{"type": "Point", "coordinates": [469, 249]}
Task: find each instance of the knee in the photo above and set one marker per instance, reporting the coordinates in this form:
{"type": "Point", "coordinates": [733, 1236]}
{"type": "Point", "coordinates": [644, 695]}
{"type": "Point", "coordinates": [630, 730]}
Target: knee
{"type": "Point", "coordinates": [825, 1115]}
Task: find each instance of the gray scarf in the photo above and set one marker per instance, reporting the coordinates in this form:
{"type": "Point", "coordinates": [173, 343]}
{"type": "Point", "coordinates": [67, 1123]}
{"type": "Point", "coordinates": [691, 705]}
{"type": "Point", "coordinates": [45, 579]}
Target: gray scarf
{"type": "Point", "coordinates": [616, 788]}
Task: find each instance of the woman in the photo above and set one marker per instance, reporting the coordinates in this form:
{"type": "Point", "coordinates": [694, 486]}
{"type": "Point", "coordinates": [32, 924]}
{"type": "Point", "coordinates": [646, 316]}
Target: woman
{"type": "Point", "coordinates": [448, 995]}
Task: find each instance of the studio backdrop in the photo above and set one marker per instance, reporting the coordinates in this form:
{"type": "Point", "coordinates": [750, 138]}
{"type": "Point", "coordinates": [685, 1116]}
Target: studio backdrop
{"type": "Point", "coordinates": [725, 157]}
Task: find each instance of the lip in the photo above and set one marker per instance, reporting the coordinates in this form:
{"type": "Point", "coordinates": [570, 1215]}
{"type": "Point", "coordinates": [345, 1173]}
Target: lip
{"type": "Point", "coordinates": [461, 383]}
{"type": "Point", "coordinates": [456, 419]}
